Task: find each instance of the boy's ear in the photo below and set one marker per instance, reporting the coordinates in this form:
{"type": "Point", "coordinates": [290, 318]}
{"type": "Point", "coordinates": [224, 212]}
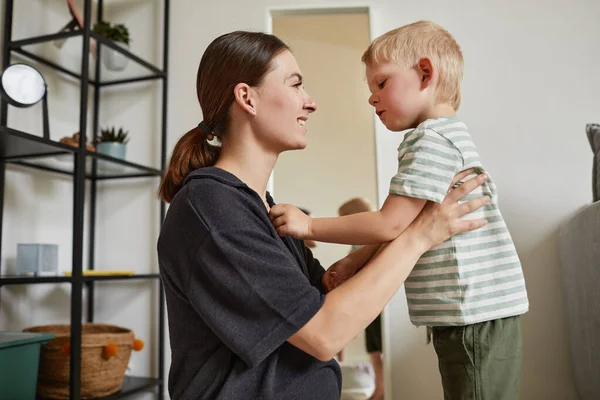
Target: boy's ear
{"type": "Point", "coordinates": [244, 97]}
{"type": "Point", "coordinates": [425, 69]}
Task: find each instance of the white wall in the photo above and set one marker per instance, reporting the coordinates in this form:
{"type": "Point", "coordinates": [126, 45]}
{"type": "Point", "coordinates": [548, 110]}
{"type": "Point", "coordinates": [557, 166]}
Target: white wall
{"type": "Point", "coordinates": [530, 86]}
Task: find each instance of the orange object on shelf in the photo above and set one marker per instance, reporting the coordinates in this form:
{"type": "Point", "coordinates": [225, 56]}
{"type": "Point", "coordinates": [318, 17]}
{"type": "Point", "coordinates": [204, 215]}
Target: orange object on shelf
{"type": "Point", "coordinates": [66, 349]}
{"type": "Point", "coordinates": [138, 344]}
{"type": "Point", "coordinates": [111, 350]}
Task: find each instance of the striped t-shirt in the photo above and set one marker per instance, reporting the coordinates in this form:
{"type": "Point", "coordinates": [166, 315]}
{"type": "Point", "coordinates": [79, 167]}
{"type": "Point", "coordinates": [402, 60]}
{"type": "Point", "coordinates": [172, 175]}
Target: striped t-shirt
{"type": "Point", "coordinates": [474, 276]}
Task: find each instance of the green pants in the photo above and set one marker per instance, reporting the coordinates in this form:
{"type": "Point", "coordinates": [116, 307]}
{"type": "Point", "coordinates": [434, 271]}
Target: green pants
{"type": "Point", "coordinates": [480, 361]}
{"type": "Point", "coordinates": [373, 336]}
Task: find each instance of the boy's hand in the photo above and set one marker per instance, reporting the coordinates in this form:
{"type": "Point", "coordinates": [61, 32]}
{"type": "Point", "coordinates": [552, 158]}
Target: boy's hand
{"type": "Point", "coordinates": [338, 273]}
{"type": "Point", "coordinates": [289, 220]}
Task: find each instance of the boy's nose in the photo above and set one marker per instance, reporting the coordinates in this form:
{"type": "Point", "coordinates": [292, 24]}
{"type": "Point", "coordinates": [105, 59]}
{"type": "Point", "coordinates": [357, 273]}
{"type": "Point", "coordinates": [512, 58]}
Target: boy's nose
{"type": "Point", "coordinates": [373, 100]}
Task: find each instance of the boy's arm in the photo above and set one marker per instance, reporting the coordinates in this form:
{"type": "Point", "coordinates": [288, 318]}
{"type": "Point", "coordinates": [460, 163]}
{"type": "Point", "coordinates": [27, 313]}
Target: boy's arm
{"type": "Point", "coordinates": [381, 226]}
{"type": "Point", "coordinates": [362, 228]}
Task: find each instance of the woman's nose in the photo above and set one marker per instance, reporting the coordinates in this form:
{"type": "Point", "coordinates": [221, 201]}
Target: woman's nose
{"type": "Point", "coordinates": [310, 105]}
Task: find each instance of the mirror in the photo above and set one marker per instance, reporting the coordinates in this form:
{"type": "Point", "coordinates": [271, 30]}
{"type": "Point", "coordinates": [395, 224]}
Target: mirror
{"type": "Point", "coordinates": [336, 173]}
{"type": "Point", "coordinates": [22, 86]}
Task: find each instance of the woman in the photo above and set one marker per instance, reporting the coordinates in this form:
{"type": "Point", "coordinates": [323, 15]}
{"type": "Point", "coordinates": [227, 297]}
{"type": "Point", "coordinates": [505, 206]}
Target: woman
{"type": "Point", "coordinates": [249, 315]}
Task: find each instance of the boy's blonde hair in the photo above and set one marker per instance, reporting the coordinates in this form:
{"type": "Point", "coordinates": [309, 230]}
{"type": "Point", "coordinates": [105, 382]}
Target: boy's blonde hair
{"type": "Point", "coordinates": [406, 45]}
{"type": "Point", "coordinates": [355, 205]}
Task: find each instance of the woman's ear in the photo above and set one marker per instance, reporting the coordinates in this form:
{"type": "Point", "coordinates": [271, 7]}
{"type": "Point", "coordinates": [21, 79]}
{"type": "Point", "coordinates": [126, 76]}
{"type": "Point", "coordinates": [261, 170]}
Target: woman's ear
{"type": "Point", "coordinates": [244, 97]}
{"type": "Point", "coordinates": [426, 70]}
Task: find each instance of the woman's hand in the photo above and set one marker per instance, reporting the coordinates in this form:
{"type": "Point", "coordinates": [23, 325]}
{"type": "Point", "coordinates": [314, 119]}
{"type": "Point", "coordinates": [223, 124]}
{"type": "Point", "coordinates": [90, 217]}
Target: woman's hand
{"type": "Point", "coordinates": [438, 222]}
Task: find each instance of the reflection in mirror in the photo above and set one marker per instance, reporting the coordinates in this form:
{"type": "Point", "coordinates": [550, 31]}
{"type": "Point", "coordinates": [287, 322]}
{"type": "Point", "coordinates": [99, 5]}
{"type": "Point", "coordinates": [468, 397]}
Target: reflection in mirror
{"type": "Point", "coordinates": [338, 163]}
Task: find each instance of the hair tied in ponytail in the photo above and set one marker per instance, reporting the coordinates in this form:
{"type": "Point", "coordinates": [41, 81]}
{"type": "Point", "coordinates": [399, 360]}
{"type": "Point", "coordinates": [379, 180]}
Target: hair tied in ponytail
{"type": "Point", "coordinates": [207, 130]}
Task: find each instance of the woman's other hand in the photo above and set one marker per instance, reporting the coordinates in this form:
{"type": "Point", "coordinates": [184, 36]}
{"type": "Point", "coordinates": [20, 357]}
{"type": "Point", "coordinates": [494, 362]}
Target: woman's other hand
{"type": "Point", "coordinates": [438, 222]}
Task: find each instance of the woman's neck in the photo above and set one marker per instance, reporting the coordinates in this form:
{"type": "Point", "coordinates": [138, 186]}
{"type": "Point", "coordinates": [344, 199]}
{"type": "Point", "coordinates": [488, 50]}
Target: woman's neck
{"type": "Point", "coordinates": [250, 163]}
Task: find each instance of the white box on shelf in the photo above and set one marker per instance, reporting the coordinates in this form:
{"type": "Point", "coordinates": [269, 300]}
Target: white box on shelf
{"type": "Point", "coordinates": [37, 259]}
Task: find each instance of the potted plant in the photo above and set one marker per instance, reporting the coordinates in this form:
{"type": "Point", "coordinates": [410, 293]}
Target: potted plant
{"type": "Point", "coordinates": [119, 33]}
{"type": "Point", "coordinates": [113, 143]}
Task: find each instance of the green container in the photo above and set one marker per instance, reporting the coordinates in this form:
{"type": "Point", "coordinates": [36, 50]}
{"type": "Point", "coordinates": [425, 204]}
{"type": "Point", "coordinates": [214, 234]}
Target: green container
{"type": "Point", "coordinates": [19, 363]}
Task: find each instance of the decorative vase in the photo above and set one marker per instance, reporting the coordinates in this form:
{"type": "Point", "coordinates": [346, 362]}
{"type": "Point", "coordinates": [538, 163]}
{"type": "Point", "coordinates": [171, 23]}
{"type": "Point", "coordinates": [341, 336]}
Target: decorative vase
{"type": "Point", "coordinates": [113, 149]}
{"type": "Point", "coordinates": [113, 60]}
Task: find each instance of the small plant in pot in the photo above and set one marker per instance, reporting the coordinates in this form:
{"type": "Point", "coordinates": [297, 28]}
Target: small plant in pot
{"type": "Point", "coordinates": [112, 142]}
{"type": "Point", "coordinates": [119, 33]}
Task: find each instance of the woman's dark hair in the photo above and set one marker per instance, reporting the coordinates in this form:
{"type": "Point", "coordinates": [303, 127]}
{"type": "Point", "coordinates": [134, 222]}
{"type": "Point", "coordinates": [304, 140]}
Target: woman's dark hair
{"type": "Point", "coordinates": [230, 59]}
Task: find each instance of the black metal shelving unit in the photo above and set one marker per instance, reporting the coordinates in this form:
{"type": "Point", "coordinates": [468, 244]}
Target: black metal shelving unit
{"type": "Point", "coordinates": [25, 149]}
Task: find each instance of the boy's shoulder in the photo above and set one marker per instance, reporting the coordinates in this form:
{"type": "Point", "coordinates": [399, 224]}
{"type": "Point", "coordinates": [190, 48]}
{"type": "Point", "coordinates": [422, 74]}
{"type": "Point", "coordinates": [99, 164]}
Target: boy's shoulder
{"type": "Point", "coordinates": [446, 134]}
{"type": "Point", "coordinates": [450, 129]}
{"type": "Point", "coordinates": [446, 130]}
{"type": "Point", "coordinates": [443, 125]}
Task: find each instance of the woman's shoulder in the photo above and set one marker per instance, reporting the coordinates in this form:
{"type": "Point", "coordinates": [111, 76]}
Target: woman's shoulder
{"type": "Point", "coordinates": [218, 198]}
{"type": "Point", "coordinates": [204, 205]}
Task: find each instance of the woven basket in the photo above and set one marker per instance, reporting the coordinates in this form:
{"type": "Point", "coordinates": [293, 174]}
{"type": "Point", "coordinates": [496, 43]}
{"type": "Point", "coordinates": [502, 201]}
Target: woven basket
{"type": "Point", "coordinates": [101, 375]}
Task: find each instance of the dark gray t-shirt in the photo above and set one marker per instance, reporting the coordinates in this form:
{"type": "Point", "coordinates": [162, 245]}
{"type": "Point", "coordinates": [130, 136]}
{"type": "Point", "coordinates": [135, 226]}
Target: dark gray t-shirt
{"type": "Point", "coordinates": [235, 293]}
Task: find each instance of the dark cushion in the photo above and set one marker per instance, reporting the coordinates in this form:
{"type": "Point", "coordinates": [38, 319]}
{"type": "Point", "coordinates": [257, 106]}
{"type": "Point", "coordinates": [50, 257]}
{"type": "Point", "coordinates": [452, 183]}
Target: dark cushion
{"type": "Point", "coordinates": [593, 133]}
{"type": "Point", "coordinates": [579, 247]}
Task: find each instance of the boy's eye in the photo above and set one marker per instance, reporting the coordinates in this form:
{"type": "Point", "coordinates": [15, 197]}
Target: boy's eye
{"type": "Point", "coordinates": [381, 84]}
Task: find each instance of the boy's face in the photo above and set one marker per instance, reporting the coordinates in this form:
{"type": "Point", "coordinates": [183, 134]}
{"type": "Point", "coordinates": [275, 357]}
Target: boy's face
{"type": "Point", "coordinates": [398, 95]}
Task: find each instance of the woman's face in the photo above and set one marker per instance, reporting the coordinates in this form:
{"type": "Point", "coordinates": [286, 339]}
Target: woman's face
{"type": "Point", "coordinates": [283, 106]}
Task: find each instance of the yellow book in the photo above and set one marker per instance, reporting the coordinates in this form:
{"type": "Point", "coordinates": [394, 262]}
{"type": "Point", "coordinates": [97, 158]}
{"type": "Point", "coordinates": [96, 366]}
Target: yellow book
{"type": "Point", "coordinates": [98, 272]}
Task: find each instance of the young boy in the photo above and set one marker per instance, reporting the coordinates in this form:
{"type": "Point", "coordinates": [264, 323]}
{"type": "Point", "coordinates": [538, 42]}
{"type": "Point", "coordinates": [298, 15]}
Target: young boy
{"type": "Point", "coordinates": [470, 290]}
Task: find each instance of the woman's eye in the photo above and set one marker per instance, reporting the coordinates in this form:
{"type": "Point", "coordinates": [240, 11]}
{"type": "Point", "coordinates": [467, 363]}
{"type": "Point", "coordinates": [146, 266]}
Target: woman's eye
{"type": "Point", "coordinates": [297, 85]}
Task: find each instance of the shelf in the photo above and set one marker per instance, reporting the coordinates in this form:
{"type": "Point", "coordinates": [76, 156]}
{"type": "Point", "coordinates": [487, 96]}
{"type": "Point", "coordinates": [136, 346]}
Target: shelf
{"type": "Point", "coordinates": [60, 57]}
{"type": "Point", "coordinates": [134, 384]}
{"type": "Point", "coordinates": [27, 280]}
{"type": "Point", "coordinates": [120, 277]}
{"type": "Point", "coordinates": [36, 152]}
{"type": "Point", "coordinates": [153, 72]}
{"type": "Point", "coordinates": [141, 70]}
{"type": "Point", "coordinates": [15, 144]}
{"type": "Point", "coordinates": [107, 167]}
